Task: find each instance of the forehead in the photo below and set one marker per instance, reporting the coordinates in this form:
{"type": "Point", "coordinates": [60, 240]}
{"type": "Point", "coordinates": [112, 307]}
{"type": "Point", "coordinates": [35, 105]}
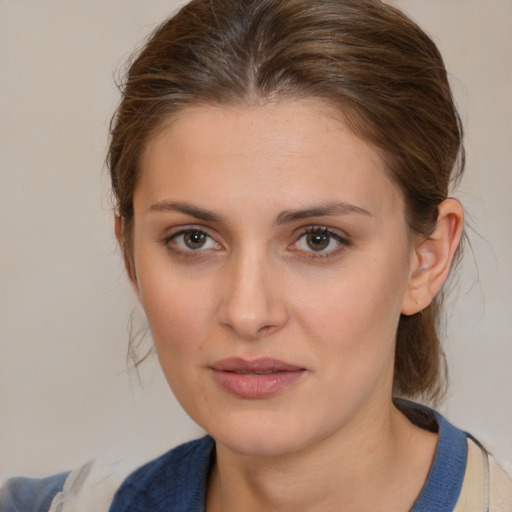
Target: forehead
{"type": "Point", "coordinates": [285, 151]}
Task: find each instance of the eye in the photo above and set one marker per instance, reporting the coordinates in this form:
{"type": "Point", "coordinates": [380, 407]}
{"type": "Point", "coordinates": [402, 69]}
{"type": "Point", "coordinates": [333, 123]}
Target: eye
{"type": "Point", "coordinates": [193, 239]}
{"type": "Point", "coordinates": [317, 241]}
{"type": "Point", "coordinates": [190, 240]}
{"type": "Point", "coordinates": [321, 241]}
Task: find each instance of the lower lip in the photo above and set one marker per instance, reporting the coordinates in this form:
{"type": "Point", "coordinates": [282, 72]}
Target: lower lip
{"type": "Point", "coordinates": [250, 385]}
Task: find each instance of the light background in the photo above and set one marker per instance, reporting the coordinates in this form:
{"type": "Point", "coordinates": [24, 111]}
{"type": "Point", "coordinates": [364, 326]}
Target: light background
{"type": "Point", "coordinates": [65, 394]}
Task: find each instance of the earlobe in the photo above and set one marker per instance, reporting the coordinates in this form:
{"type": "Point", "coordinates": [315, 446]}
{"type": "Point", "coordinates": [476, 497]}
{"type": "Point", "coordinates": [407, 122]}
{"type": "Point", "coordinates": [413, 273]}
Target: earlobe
{"type": "Point", "coordinates": [128, 261]}
{"type": "Point", "coordinates": [433, 257]}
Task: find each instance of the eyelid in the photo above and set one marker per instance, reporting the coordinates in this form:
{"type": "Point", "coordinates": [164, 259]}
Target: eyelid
{"type": "Point", "coordinates": [320, 228]}
{"type": "Point", "coordinates": [342, 239]}
{"type": "Point", "coordinates": [182, 230]}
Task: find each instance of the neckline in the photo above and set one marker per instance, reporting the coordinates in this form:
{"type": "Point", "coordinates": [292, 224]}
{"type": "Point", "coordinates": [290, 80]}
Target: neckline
{"type": "Point", "coordinates": [444, 482]}
{"type": "Point", "coordinates": [180, 477]}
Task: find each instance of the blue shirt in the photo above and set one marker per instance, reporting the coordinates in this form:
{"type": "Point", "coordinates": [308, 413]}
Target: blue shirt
{"type": "Point", "coordinates": [177, 481]}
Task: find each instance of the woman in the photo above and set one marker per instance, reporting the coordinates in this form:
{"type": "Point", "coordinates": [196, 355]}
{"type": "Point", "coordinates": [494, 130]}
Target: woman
{"type": "Point", "coordinates": [281, 172]}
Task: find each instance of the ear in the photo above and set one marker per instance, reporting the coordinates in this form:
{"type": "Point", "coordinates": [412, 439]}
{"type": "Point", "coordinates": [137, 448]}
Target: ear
{"type": "Point", "coordinates": [432, 257]}
{"type": "Point", "coordinates": [128, 260]}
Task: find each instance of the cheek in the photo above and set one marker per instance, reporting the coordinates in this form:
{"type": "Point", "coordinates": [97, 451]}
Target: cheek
{"type": "Point", "coordinates": [179, 317]}
{"type": "Point", "coordinates": [358, 302]}
{"type": "Point", "coordinates": [179, 311]}
{"type": "Point", "coordinates": [352, 327]}
{"type": "Point", "coordinates": [354, 316]}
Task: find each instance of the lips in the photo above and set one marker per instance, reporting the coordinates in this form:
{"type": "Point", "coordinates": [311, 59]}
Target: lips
{"type": "Point", "coordinates": [259, 378]}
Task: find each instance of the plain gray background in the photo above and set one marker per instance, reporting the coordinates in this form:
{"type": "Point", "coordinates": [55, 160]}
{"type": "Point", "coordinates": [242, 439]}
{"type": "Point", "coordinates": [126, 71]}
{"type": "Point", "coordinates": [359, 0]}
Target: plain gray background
{"type": "Point", "coordinates": [65, 394]}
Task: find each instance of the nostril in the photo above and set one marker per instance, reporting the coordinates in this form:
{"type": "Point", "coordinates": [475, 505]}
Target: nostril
{"type": "Point", "coordinates": [250, 305]}
{"type": "Point", "coordinates": [251, 326]}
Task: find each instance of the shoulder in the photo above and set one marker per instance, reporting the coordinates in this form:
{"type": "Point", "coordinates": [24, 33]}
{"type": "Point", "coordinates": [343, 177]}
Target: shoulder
{"type": "Point", "coordinates": [31, 494]}
{"type": "Point", "coordinates": [500, 482]}
{"type": "Point", "coordinates": [89, 487]}
{"type": "Point", "coordinates": [178, 479]}
{"type": "Point", "coordinates": [486, 483]}
{"type": "Point", "coordinates": [464, 476]}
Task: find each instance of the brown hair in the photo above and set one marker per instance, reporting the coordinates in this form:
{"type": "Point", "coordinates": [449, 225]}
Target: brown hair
{"type": "Point", "coordinates": [364, 57]}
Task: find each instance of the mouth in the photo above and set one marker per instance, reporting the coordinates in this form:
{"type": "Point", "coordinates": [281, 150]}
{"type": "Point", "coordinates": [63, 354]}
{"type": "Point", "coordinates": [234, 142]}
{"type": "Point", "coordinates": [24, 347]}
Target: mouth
{"type": "Point", "coordinates": [259, 378]}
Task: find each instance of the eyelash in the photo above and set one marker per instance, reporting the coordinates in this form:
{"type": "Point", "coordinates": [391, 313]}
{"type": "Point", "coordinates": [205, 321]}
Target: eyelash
{"type": "Point", "coordinates": [190, 253]}
{"type": "Point", "coordinates": [322, 230]}
{"type": "Point", "coordinates": [309, 230]}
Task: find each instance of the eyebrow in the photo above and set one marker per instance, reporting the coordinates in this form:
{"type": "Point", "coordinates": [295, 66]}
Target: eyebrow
{"type": "Point", "coordinates": [322, 210]}
{"type": "Point", "coordinates": [285, 217]}
{"type": "Point", "coordinates": [187, 209]}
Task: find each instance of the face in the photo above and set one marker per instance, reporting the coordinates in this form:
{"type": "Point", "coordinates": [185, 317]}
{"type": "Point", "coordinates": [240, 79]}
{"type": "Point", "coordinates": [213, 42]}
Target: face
{"type": "Point", "coordinates": [272, 258]}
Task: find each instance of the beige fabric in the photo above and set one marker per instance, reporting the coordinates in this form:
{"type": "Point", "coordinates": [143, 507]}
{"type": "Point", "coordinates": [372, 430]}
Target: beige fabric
{"type": "Point", "coordinates": [90, 488]}
{"type": "Point", "coordinates": [501, 489]}
{"type": "Point", "coordinates": [473, 496]}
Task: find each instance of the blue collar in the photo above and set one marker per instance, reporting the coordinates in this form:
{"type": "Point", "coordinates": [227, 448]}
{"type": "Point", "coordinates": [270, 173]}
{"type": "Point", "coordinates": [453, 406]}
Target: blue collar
{"type": "Point", "coordinates": [177, 481]}
{"type": "Point", "coordinates": [442, 488]}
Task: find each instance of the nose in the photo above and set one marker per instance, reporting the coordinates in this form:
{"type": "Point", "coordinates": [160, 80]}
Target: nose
{"type": "Point", "coordinates": [252, 305]}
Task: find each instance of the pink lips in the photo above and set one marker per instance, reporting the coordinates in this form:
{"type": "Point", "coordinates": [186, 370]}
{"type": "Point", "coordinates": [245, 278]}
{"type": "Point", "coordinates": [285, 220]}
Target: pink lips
{"type": "Point", "coordinates": [259, 378]}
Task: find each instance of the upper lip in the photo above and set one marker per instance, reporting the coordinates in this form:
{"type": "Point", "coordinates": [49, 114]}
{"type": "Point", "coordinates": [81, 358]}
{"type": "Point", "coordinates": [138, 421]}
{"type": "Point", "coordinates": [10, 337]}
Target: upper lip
{"type": "Point", "coordinates": [261, 365]}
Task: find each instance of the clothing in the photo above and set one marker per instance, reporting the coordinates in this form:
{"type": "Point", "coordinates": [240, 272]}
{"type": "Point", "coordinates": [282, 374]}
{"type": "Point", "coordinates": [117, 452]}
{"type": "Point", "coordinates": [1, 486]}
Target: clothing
{"type": "Point", "coordinates": [463, 478]}
{"type": "Point", "coordinates": [31, 494]}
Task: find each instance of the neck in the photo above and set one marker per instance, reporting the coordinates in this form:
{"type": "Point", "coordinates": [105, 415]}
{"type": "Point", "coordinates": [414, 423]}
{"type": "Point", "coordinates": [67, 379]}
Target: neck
{"type": "Point", "coordinates": [381, 464]}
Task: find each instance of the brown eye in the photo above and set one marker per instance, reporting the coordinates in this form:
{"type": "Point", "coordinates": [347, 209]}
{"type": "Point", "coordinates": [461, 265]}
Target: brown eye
{"type": "Point", "coordinates": [318, 241]}
{"type": "Point", "coordinates": [191, 240]}
{"type": "Point", "coordinates": [194, 239]}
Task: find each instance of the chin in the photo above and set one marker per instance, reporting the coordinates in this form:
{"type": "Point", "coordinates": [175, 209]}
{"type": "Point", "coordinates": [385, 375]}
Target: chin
{"type": "Point", "coordinates": [261, 436]}
{"type": "Point", "coordinates": [260, 446]}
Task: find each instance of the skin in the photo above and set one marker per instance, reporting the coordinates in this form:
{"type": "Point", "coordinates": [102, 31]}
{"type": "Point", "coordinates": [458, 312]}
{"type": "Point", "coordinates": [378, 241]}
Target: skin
{"type": "Point", "coordinates": [260, 287]}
